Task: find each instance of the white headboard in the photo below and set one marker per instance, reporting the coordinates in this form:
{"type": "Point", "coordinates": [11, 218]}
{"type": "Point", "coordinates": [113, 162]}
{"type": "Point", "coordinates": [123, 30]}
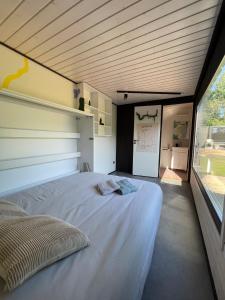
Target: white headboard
{"type": "Point", "coordinates": [37, 143]}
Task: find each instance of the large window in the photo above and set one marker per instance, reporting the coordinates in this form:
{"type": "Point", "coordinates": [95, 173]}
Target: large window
{"type": "Point", "coordinates": [209, 154]}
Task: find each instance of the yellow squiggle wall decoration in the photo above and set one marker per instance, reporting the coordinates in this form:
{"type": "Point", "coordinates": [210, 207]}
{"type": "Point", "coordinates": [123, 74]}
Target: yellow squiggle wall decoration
{"type": "Point", "coordinates": [6, 82]}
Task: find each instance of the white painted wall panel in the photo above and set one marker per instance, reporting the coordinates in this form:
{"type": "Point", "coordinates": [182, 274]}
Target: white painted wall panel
{"type": "Point", "coordinates": [26, 158]}
{"type": "Point", "coordinates": [212, 240]}
{"type": "Point", "coordinates": [27, 116]}
{"type": "Point", "coordinates": [16, 148]}
{"type": "Point", "coordinates": [21, 178]}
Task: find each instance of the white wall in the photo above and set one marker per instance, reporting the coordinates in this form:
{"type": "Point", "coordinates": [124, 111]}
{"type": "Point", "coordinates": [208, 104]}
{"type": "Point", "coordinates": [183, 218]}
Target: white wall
{"type": "Point", "coordinates": [105, 149]}
{"type": "Point", "coordinates": [36, 81]}
{"type": "Point", "coordinates": [38, 155]}
{"type": "Point", "coordinates": [212, 240]}
{"type": "Point", "coordinates": [24, 76]}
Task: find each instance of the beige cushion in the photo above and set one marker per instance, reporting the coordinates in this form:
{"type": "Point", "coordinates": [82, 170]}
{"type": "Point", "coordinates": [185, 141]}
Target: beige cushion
{"type": "Point", "coordinates": [9, 209]}
{"type": "Point", "coordinates": [30, 243]}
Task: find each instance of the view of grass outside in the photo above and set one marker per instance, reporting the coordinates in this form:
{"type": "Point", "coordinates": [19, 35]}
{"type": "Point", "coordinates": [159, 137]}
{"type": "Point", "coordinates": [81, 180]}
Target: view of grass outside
{"type": "Point", "coordinates": [217, 163]}
{"type": "Point", "coordinates": [209, 156]}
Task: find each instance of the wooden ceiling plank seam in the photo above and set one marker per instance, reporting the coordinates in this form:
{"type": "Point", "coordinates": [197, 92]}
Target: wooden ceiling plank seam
{"type": "Point", "coordinates": [80, 10]}
{"type": "Point", "coordinates": [173, 79]}
{"type": "Point", "coordinates": [92, 27]}
{"type": "Point", "coordinates": [87, 61]}
{"type": "Point", "coordinates": [170, 60]}
{"type": "Point", "coordinates": [144, 61]}
{"type": "Point", "coordinates": [7, 9]}
{"type": "Point", "coordinates": [23, 13]}
{"type": "Point", "coordinates": [112, 39]}
{"type": "Point", "coordinates": [158, 78]}
{"type": "Point", "coordinates": [128, 43]}
{"type": "Point", "coordinates": [152, 48]}
{"type": "Point", "coordinates": [196, 59]}
{"type": "Point", "coordinates": [167, 84]}
{"type": "Point", "coordinates": [28, 20]}
{"type": "Point", "coordinates": [140, 76]}
{"type": "Point", "coordinates": [130, 27]}
{"type": "Point", "coordinates": [42, 24]}
{"type": "Point", "coordinates": [11, 12]}
{"type": "Point", "coordinates": [138, 57]}
{"type": "Point", "coordinates": [64, 42]}
{"type": "Point", "coordinates": [39, 41]}
{"type": "Point", "coordinates": [140, 60]}
{"type": "Point", "coordinates": [132, 82]}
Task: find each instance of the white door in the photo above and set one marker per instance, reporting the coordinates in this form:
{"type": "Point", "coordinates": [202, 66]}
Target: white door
{"type": "Point", "coordinates": [147, 123]}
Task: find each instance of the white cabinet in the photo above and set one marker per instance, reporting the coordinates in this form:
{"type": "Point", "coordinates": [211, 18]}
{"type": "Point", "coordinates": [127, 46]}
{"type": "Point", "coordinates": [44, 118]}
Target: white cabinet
{"type": "Point", "coordinates": [100, 106]}
{"type": "Point", "coordinates": [179, 158]}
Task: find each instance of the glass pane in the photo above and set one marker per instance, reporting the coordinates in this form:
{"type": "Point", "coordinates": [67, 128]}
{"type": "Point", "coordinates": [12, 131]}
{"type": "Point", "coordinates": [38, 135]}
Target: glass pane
{"type": "Point", "coordinates": [209, 154]}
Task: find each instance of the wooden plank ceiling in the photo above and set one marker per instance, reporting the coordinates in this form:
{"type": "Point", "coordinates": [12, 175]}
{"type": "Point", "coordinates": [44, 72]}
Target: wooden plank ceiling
{"type": "Point", "coordinates": [157, 45]}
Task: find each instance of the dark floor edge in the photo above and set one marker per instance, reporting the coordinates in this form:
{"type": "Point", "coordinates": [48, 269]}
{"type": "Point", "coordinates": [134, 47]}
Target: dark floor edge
{"type": "Point", "coordinates": [111, 173]}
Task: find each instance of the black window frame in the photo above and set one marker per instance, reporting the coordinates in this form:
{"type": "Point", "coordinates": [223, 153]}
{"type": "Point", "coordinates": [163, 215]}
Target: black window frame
{"type": "Point", "coordinates": [212, 210]}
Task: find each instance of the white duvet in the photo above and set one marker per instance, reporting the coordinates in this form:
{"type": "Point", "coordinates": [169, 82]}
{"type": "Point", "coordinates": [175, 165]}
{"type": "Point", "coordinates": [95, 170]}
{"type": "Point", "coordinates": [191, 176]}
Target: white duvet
{"type": "Point", "coordinates": [121, 229]}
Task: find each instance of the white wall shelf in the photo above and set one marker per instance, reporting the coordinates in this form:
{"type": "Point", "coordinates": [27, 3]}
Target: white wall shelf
{"type": "Point", "coordinates": [34, 100]}
{"type": "Point", "coordinates": [35, 160]}
{"type": "Point", "coordinates": [36, 134]}
{"type": "Point", "coordinates": [101, 108]}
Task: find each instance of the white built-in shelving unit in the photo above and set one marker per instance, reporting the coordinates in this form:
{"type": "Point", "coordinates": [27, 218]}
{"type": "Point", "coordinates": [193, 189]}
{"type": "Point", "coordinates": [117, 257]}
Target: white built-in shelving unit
{"type": "Point", "coordinates": [39, 152]}
{"type": "Point", "coordinates": [100, 106]}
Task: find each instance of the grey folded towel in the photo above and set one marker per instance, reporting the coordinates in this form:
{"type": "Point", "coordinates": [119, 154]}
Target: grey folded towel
{"type": "Point", "coordinates": [107, 187]}
{"type": "Point", "coordinates": [125, 187]}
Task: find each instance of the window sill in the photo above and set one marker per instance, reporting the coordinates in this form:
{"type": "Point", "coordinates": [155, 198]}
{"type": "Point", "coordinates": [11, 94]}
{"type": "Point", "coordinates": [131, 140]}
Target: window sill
{"type": "Point", "coordinates": [208, 201]}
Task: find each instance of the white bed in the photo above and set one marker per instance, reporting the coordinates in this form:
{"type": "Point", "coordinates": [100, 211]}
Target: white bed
{"type": "Point", "coordinates": [121, 229]}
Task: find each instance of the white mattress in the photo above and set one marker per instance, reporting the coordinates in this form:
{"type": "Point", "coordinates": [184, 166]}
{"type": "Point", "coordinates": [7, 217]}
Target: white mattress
{"type": "Point", "coordinates": [121, 229]}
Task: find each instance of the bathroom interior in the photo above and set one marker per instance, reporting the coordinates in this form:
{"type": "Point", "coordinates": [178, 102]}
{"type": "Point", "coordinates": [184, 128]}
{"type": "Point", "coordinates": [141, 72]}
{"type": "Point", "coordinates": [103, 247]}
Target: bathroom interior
{"type": "Point", "coordinates": [175, 142]}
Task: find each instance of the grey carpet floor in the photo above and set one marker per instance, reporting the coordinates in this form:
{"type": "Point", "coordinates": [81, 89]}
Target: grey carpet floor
{"type": "Point", "coordinates": [179, 269]}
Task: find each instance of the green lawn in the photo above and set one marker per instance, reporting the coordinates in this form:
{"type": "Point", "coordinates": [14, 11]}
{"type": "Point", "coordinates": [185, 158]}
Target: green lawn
{"type": "Point", "coordinates": [217, 165]}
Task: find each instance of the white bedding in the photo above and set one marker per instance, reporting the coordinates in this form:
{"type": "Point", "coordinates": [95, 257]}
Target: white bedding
{"type": "Point", "coordinates": [121, 229]}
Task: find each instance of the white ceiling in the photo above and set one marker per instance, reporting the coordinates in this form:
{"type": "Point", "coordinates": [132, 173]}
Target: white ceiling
{"type": "Point", "coordinates": [115, 45]}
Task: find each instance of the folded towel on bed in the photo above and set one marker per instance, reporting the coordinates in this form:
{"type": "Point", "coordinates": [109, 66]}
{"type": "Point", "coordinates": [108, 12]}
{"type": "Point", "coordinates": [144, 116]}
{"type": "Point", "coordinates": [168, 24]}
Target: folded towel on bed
{"type": "Point", "coordinates": [107, 187]}
{"type": "Point", "coordinates": [125, 187]}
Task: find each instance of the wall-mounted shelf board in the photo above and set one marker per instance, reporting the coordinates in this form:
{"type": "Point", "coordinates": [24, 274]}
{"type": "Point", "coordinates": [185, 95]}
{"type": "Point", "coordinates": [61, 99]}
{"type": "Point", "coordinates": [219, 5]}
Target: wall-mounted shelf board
{"type": "Point", "coordinates": [35, 160]}
{"type": "Point", "coordinates": [36, 134]}
{"type": "Point", "coordinates": [90, 107]}
{"type": "Point", "coordinates": [49, 104]}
